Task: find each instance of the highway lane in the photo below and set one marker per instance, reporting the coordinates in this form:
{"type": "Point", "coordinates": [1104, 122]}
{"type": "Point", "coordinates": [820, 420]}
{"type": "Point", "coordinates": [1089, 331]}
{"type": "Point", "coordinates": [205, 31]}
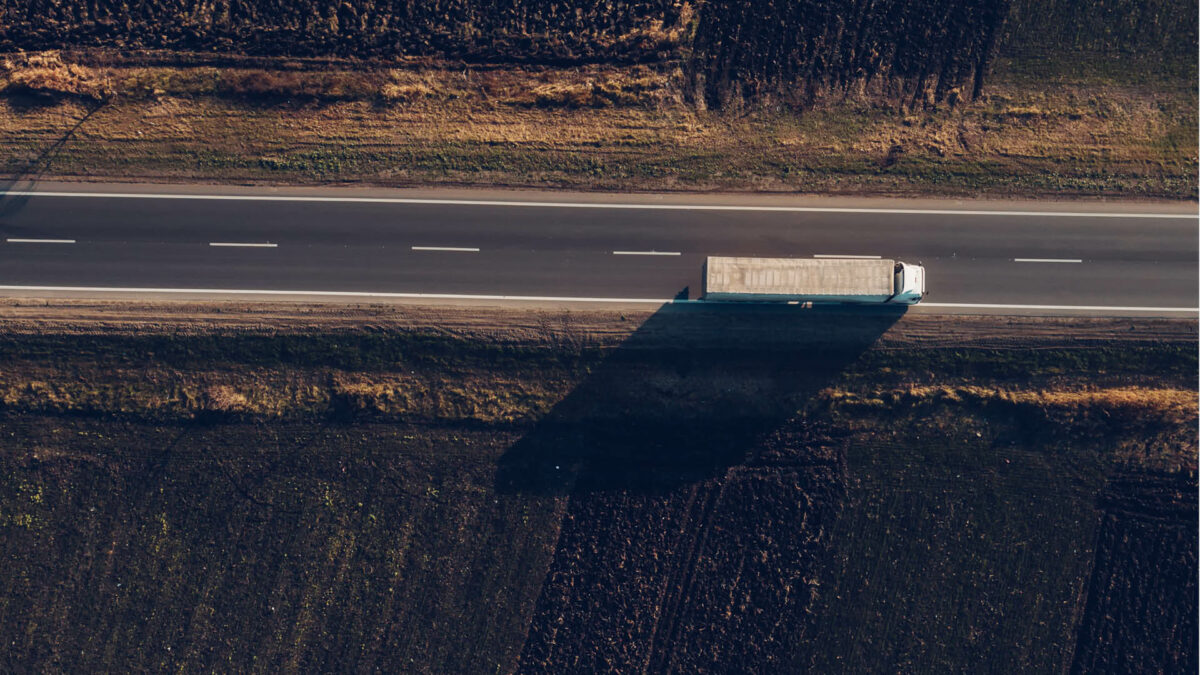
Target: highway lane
{"type": "Point", "coordinates": [1147, 258]}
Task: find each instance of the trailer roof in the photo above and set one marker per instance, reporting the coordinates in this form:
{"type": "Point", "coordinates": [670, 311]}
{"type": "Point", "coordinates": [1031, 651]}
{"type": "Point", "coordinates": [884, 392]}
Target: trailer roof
{"type": "Point", "coordinates": [800, 276]}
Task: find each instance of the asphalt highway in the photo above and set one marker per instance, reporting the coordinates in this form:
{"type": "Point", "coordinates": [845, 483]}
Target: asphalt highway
{"type": "Point", "coordinates": [1095, 258]}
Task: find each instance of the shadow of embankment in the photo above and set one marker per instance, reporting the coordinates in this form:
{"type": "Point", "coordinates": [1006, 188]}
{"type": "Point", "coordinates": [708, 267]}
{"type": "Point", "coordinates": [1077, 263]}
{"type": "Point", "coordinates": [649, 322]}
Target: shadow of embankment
{"type": "Point", "coordinates": [25, 178]}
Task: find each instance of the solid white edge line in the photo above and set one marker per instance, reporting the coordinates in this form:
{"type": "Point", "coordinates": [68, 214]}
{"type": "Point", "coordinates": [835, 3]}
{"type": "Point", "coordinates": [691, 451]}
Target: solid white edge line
{"type": "Point", "coordinates": [1048, 260]}
{"type": "Point", "coordinates": [242, 244]}
{"type": "Point", "coordinates": [646, 253]}
{"type": "Point", "coordinates": [542, 298]}
{"type": "Point", "coordinates": [854, 257]}
{"type": "Point", "coordinates": [445, 248]}
{"type": "Point", "coordinates": [336, 294]}
{"type": "Point", "coordinates": [40, 241]}
{"type": "Point", "coordinates": [597, 205]}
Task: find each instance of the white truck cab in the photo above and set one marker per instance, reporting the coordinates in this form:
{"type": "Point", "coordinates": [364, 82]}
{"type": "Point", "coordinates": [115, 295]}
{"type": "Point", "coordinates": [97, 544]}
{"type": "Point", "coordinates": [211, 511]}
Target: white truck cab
{"type": "Point", "coordinates": [910, 284]}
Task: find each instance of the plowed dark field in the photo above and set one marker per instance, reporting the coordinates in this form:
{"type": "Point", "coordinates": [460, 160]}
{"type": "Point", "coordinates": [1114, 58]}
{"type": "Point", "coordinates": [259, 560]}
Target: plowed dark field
{"type": "Point", "coordinates": [720, 574]}
{"type": "Point", "coordinates": [407, 489]}
{"type": "Point", "coordinates": [1141, 608]}
{"type": "Point", "coordinates": [731, 49]}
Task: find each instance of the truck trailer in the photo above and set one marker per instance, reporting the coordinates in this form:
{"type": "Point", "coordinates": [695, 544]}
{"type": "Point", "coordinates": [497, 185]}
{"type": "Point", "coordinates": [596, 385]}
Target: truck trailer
{"type": "Point", "coordinates": [818, 280]}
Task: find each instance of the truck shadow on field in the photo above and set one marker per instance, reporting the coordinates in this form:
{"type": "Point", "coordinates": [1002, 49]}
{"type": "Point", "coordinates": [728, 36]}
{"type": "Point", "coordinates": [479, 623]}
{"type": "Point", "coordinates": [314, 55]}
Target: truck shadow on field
{"type": "Point", "coordinates": [692, 392]}
{"type": "Point", "coordinates": [698, 503]}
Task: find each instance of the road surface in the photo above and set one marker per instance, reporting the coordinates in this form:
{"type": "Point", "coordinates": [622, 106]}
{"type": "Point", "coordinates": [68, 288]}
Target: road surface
{"type": "Point", "coordinates": [64, 239]}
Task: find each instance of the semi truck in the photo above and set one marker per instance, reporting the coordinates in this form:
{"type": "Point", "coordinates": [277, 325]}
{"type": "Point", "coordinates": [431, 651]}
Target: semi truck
{"type": "Point", "coordinates": [872, 281]}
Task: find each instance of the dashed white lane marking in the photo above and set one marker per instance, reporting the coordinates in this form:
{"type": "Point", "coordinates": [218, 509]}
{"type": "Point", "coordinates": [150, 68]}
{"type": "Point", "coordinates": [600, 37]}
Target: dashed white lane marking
{"type": "Point", "coordinates": [647, 253]}
{"type": "Point", "coordinates": [542, 298]}
{"type": "Point", "coordinates": [456, 249]}
{"type": "Point", "coordinates": [245, 244]}
{"type": "Point", "coordinates": [40, 241]}
{"type": "Point", "coordinates": [857, 257]}
{"type": "Point", "coordinates": [597, 205]}
{"type": "Point", "coordinates": [1048, 260]}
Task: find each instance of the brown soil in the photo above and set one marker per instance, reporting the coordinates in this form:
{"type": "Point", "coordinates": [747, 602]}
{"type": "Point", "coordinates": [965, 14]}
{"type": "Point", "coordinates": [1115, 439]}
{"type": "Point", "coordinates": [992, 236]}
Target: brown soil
{"type": "Point", "coordinates": [207, 486]}
{"type": "Point", "coordinates": [1142, 598]}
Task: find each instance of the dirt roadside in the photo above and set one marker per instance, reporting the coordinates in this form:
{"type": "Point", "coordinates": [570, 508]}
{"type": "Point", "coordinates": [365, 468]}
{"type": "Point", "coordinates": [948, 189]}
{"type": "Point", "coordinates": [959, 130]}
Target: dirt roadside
{"type": "Point", "coordinates": [602, 327]}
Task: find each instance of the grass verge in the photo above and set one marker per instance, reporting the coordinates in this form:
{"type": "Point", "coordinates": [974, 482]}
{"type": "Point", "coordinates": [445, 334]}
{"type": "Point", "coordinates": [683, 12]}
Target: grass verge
{"type": "Point", "coordinates": [1094, 132]}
